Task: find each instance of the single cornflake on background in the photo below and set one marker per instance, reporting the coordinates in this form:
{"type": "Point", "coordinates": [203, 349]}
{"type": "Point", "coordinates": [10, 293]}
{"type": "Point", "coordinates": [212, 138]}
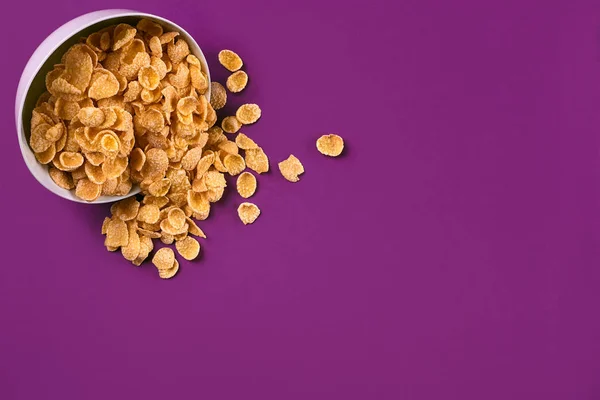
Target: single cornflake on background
{"type": "Point", "coordinates": [246, 184]}
{"type": "Point", "coordinates": [230, 60]}
{"type": "Point", "coordinates": [248, 113]}
{"type": "Point", "coordinates": [331, 145]}
{"type": "Point", "coordinates": [237, 81]}
{"type": "Point", "coordinates": [257, 160]}
{"type": "Point", "coordinates": [248, 212]}
{"type": "Point", "coordinates": [291, 168]}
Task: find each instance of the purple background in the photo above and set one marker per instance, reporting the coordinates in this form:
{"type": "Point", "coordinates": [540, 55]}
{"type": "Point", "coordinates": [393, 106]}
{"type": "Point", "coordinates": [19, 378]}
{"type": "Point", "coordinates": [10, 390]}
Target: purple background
{"type": "Point", "coordinates": [452, 253]}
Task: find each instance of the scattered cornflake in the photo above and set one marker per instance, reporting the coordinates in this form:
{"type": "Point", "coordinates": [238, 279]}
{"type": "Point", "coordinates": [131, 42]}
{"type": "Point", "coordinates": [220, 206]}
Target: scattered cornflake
{"type": "Point", "coordinates": [290, 168]}
{"type": "Point", "coordinates": [248, 114]}
{"type": "Point", "coordinates": [231, 124]}
{"type": "Point", "coordinates": [169, 273]}
{"type": "Point", "coordinates": [244, 142]}
{"type": "Point", "coordinates": [132, 250]}
{"type": "Point", "coordinates": [105, 225]}
{"type": "Point", "coordinates": [164, 258]}
{"type": "Point", "coordinates": [234, 163]}
{"type": "Point", "coordinates": [194, 229]}
{"type": "Point", "coordinates": [230, 60]}
{"type": "Point", "coordinates": [246, 184]}
{"type": "Point", "coordinates": [331, 145]}
{"type": "Point", "coordinates": [257, 160]}
{"type": "Point", "coordinates": [116, 233]}
{"type": "Point", "coordinates": [146, 246]}
{"type": "Point", "coordinates": [188, 248]}
{"type": "Point", "coordinates": [248, 213]}
{"type": "Point", "coordinates": [237, 81]}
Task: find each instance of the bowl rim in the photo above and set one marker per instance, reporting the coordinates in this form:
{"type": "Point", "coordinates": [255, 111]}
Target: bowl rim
{"type": "Point", "coordinates": [30, 73]}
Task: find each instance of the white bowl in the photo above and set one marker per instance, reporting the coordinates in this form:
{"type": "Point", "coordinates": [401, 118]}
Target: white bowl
{"type": "Point", "coordinates": [48, 53]}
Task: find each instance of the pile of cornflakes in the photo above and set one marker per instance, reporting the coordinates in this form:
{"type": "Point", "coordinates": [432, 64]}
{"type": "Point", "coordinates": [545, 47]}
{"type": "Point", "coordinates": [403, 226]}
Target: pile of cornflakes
{"type": "Point", "coordinates": [128, 106]}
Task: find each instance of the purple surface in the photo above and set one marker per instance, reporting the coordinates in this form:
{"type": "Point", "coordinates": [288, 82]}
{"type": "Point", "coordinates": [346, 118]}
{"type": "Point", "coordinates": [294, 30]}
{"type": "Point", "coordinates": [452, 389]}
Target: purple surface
{"type": "Point", "coordinates": [452, 253]}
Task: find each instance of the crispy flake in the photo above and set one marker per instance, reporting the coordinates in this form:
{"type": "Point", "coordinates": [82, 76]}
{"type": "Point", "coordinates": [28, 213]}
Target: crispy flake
{"type": "Point", "coordinates": [246, 184]}
{"type": "Point", "coordinates": [231, 124]}
{"type": "Point", "coordinates": [248, 213]}
{"type": "Point", "coordinates": [290, 168]}
{"type": "Point", "coordinates": [237, 81]}
{"type": "Point", "coordinates": [230, 60]}
{"type": "Point", "coordinates": [188, 248]}
{"type": "Point", "coordinates": [257, 160]}
{"type": "Point", "coordinates": [248, 113]}
{"type": "Point", "coordinates": [330, 145]}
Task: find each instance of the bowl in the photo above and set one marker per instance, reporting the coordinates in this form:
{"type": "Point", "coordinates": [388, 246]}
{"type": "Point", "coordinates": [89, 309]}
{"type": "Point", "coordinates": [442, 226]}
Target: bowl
{"type": "Point", "coordinates": [48, 53]}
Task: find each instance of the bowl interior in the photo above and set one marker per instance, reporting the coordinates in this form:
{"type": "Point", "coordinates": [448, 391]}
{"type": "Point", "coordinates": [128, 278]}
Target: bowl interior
{"type": "Point", "coordinates": [38, 86]}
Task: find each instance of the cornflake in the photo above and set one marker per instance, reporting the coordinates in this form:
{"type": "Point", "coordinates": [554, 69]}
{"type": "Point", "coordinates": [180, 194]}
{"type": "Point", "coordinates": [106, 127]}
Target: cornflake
{"type": "Point", "coordinates": [228, 147]}
{"type": "Point", "coordinates": [194, 229]}
{"type": "Point", "coordinates": [191, 158]}
{"type": "Point", "coordinates": [176, 218]}
{"type": "Point", "coordinates": [46, 156]}
{"type": "Point", "coordinates": [149, 213]}
{"type": "Point", "coordinates": [248, 213]}
{"type": "Point", "coordinates": [234, 163]}
{"type": "Point", "coordinates": [248, 113]}
{"type": "Point", "coordinates": [126, 209]}
{"type": "Point", "coordinates": [87, 190]}
{"type": "Point", "coordinates": [188, 248]}
{"type": "Point", "coordinates": [246, 184]}
{"type": "Point", "coordinates": [244, 142]}
{"type": "Point", "coordinates": [148, 77]}
{"type": "Point", "coordinates": [61, 178]}
{"type": "Point", "coordinates": [146, 247]}
{"type": "Point", "coordinates": [117, 234]}
{"type": "Point", "coordinates": [132, 250]}
{"type": "Point", "coordinates": [169, 273]}
{"type": "Point", "coordinates": [164, 258]}
{"type": "Point", "coordinates": [150, 27]}
{"type": "Point", "coordinates": [330, 145]}
{"type": "Point", "coordinates": [237, 81]}
{"type": "Point", "coordinates": [231, 124]}
{"type": "Point", "coordinates": [257, 160]}
{"type": "Point", "coordinates": [291, 168]}
{"type": "Point", "coordinates": [230, 60]}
